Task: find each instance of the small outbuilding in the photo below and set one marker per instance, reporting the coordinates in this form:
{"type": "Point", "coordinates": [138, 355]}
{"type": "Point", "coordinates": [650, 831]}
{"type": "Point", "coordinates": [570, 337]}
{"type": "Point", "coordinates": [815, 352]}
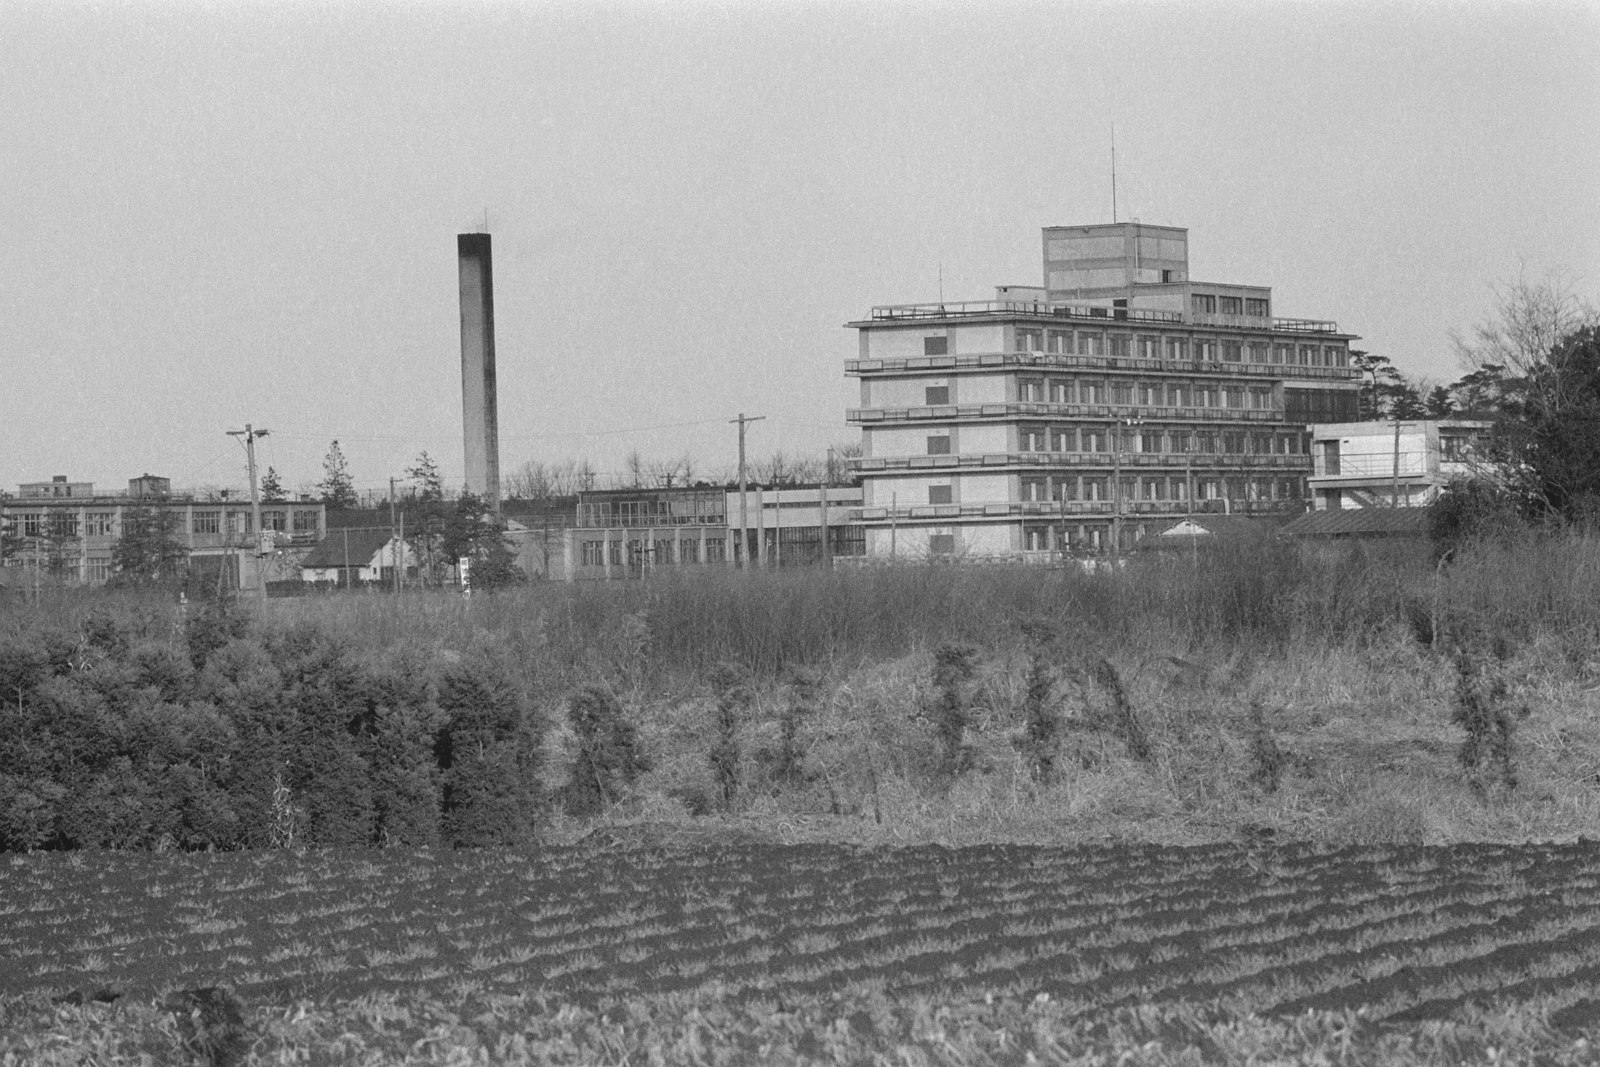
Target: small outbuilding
{"type": "Point", "coordinates": [353, 557]}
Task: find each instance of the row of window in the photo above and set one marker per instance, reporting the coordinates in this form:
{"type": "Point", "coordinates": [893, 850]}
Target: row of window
{"type": "Point", "coordinates": [1209, 304]}
{"type": "Point", "coordinates": [1152, 440]}
{"type": "Point", "coordinates": [1208, 350]}
{"type": "Point", "coordinates": [1156, 488]}
{"type": "Point", "coordinates": [57, 523]}
{"type": "Point", "coordinates": [653, 553]}
{"type": "Point", "coordinates": [1145, 394]}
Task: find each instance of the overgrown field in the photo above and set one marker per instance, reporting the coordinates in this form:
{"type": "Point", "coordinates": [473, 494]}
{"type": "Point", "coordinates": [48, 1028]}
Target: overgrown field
{"type": "Point", "coordinates": [803, 951]}
{"type": "Point", "coordinates": [1337, 696]}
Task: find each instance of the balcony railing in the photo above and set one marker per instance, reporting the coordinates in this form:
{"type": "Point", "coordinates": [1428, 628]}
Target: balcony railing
{"type": "Point", "coordinates": [1069, 361]}
{"type": "Point", "coordinates": [1103, 461]}
{"type": "Point", "coordinates": [1057, 509]}
{"type": "Point", "coordinates": [1032, 309]}
{"type": "Point", "coordinates": [1037, 410]}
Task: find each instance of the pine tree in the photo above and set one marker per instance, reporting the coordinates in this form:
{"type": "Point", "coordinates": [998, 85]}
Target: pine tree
{"type": "Point", "coordinates": [148, 549]}
{"type": "Point", "coordinates": [271, 488]}
{"type": "Point", "coordinates": [338, 491]}
{"type": "Point", "coordinates": [471, 531]}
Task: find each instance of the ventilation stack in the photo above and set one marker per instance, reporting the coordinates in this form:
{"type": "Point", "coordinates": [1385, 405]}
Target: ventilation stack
{"type": "Point", "coordinates": [480, 420]}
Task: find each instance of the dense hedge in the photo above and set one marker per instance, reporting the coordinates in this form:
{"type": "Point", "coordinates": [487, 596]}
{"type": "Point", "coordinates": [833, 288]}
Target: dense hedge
{"type": "Point", "coordinates": [230, 733]}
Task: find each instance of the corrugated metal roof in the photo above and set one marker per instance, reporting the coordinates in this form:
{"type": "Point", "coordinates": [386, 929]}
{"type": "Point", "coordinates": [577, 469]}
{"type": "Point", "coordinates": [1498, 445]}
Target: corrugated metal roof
{"type": "Point", "coordinates": [1360, 522]}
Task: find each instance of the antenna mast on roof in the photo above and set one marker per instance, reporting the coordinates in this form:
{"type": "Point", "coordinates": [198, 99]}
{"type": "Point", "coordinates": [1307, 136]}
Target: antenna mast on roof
{"type": "Point", "coordinates": [1113, 172]}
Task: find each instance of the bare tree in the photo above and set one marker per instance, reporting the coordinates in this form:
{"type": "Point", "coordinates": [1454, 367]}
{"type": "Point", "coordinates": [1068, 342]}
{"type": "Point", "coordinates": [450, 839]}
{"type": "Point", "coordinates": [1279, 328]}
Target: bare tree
{"type": "Point", "coordinates": [1530, 319]}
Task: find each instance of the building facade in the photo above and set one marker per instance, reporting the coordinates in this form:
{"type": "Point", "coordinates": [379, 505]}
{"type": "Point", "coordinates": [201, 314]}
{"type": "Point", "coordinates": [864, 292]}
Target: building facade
{"type": "Point", "coordinates": [70, 531]}
{"type": "Point", "coordinates": [632, 533]}
{"type": "Point", "coordinates": [1392, 464]}
{"type": "Point", "coordinates": [1077, 415]}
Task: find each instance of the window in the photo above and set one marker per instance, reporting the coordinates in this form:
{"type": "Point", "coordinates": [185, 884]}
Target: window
{"type": "Point", "coordinates": [99, 570]}
{"type": "Point", "coordinates": [1059, 341]}
{"type": "Point", "coordinates": [1150, 441]}
{"type": "Point", "coordinates": [1260, 352]}
{"type": "Point", "coordinates": [1307, 353]}
{"type": "Point", "coordinates": [1036, 538]}
{"type": "Point", "coordinates": [688, 551]}
{"type": "Point", "coordinates": [1031, 438]}
{"type": "Point", "coordinates": [941, 494]}
{"type": "Point", "coordinates": [274, 520]}
{"type": "Point", "coordinates": [1030, 340]}
{"type": "Point", "coordinates": [1093, 440]}
{"type": "Point", "coordinates": [305, 522]}
{"type": "Point", "coordinates": [1205, 443]}
{"type": "Point", "coordinates": [1255, 306]}
{"type": "Point", "coordinates": [1122, 392]}
{"type": "Point", "coordinates": [1202, 303]}
{"type": "Point", "coordinates": [935, 395]}
{"type": "Point", "coordinates": [594, 553]}
{"type": "Point", "coordinates": [1060, 391]}
{"type": "Point", "coordinates": [1030, 390]}
{"type": "Point", "coordinates": [1177, 348]}
{"type": "Point", "coordinates": [1063, 440]}
{"type": "Point", "coordinates": [1235, 396]}
{"type": "Point", "coordinates": [936, 346]}
{"type": "Point", "coordinates": [942, 544]}
{"type": "Point", "coordinates": [662, 552]}
{"type": "Point", "coordinates": [1152, 489]}
{"type": "Point", "coordinates": [1229, 305]}
{"type": "Point", "coordinates": [1091, 344]}
{"type": "Point", "coordinates": [207, 522]}
{"type": "Point", "coordinates": [714, 549]}
{"type": "Point", "coordinates": [1092, 392]}
{"type": "Point", "coordinates": [1261, 444]}
{"type": "Point", "coordinates": [1178, 395]}
{"type": "Point", "coordinates": [1261, 399]}
{"type": "Point", "coordinates": [1233, 443]}
{"type": "Point", "coordinates": [1094, 489]}
{"type": "Point", "coordinates": [100, 523]}
{"type": "Point", "coordinates": [614, 553]}
{"type": "Point", "coordinates": [1283, 354]}
{"type": "Point", "coordinates": [1149, 348]}
{"type": "Point", "coordinates": [1206, 350]}
{"type": "Point", "coordinates": [1150, 394]}
{"type": "Point", "coordinates": [939, 445]}
{"type": "Point", "coordinates": [1121, 345]}
{"type": "Point", "coordinates": [1233, 351]}
{"type": "Point", "coordinates": [239, 522]}
{"type": "Point", "coordinates": [1033, 489]}
{"type": "Point", "coordinates": [1205, 396]}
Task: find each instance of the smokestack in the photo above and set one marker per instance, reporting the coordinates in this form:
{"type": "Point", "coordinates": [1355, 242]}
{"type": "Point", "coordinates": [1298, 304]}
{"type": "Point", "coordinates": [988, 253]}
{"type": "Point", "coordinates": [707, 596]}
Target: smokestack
{"type": "Point", "coordinates": [480, 421]}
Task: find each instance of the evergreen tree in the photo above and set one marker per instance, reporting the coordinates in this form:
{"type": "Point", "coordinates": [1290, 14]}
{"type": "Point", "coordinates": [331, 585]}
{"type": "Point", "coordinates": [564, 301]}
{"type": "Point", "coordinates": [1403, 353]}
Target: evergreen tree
{"type": "Point", "coordinates": [148, 549]}
{"type": "Point", "coordinates": [337, 490]}
{"type": "Point", "coordinates": [489, 751]}
{"type": "Point", "coordinates": [426, 517]}
{"type": "Point", "coordinates": [271, 488]}
{"type": "Point", "coordinates": [472, 531]}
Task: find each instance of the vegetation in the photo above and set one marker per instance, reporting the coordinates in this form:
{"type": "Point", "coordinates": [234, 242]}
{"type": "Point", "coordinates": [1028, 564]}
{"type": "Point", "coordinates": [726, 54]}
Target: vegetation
{"type": "Point", "coordinates": [337, 489]}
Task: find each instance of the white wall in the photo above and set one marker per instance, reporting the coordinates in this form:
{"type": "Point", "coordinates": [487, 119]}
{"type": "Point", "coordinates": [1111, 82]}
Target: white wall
{"type": "Point", "coordinates": [981, 439]}
{"type": "Point", "coordinates": [979, 389]}
{"type": "Point", "coordinates": [911, 542]}
{"type": "Point", "coordinates": [900, 392]}
{"type": "Point", "coordinates": [977, 339]}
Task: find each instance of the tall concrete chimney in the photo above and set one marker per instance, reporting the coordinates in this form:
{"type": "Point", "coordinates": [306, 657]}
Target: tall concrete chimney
{"type": "Point", "coordinates": [479, 417]}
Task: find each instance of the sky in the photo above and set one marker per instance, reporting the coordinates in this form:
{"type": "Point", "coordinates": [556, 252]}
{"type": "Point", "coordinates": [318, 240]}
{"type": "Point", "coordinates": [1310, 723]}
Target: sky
{"type": "Point", "coordinates": [228, 213]}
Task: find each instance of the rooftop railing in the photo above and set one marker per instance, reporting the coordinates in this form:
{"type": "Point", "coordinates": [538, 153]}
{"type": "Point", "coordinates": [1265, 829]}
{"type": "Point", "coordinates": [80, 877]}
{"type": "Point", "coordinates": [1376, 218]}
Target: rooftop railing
{"type": "Point", "coordinates": [1064, 360]}
{"type": "Point", "coordinates": [957, 309]}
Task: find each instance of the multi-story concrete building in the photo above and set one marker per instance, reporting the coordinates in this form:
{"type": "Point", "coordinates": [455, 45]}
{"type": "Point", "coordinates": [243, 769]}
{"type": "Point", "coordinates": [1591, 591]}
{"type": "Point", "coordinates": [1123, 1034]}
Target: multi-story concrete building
{"type": "Point", "coordinates": [69, 529]}
{"type": "Point", "coordinates": [1075, 415]}
{"type": "Point", "coordinates": [1392, 464]}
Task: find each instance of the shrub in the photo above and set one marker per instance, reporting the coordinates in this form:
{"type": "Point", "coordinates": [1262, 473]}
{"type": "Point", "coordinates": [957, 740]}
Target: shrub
{"type": "Point", "coordinates": [609, 761]}
{"type": "Point", "coordinates": [1123, 721]}
{"type": "Point", "coordinates": [805, 686]}
{"type": "Point", "coordinates": [1267, 758]}
{"type": "Point", "coordinates": [734, 697]}
{"type": "Point", "coordinates": [406, 786]}
{"type": "Point", "coordinates": [1482, 709]}
{"type": "Point", "coordinates": [488, 752]}
{"type": "Point", "coordinates": [954, 666]}
{"type": "Point", "coordinates": [1040, 723]}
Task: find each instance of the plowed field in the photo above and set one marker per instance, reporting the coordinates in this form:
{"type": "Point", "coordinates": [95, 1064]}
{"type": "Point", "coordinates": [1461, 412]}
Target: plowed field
{"type": "Point", "coordinates": [1406, 933]}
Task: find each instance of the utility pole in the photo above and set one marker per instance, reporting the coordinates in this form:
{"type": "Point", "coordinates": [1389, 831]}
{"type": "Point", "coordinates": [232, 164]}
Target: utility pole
{"type": "Point", "coordinates": [822, 504]}
{"type": "Point", "coordinates": [394, 542]}
{"type": "Point", "coordinates": [250, 433]}
{"type": "Point", "coordinates": [742, 552]}
{"type": "Point", "coordinates": [1394, 485]}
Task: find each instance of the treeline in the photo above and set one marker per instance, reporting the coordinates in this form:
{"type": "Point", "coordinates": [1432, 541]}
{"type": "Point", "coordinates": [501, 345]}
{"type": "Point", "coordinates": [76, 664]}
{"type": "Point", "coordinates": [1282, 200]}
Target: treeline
{"type": "Point", "coordinates": [235, 734]}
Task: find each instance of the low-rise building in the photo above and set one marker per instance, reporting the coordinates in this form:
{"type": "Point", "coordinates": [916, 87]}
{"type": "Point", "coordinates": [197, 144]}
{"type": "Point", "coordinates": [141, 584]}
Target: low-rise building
{"type": "Point", "coordinates": [1391, 464]}
{"type": "Point", "coordinates": [70, 530]}
{"type": "Point", "coordinates": [352, 557]}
